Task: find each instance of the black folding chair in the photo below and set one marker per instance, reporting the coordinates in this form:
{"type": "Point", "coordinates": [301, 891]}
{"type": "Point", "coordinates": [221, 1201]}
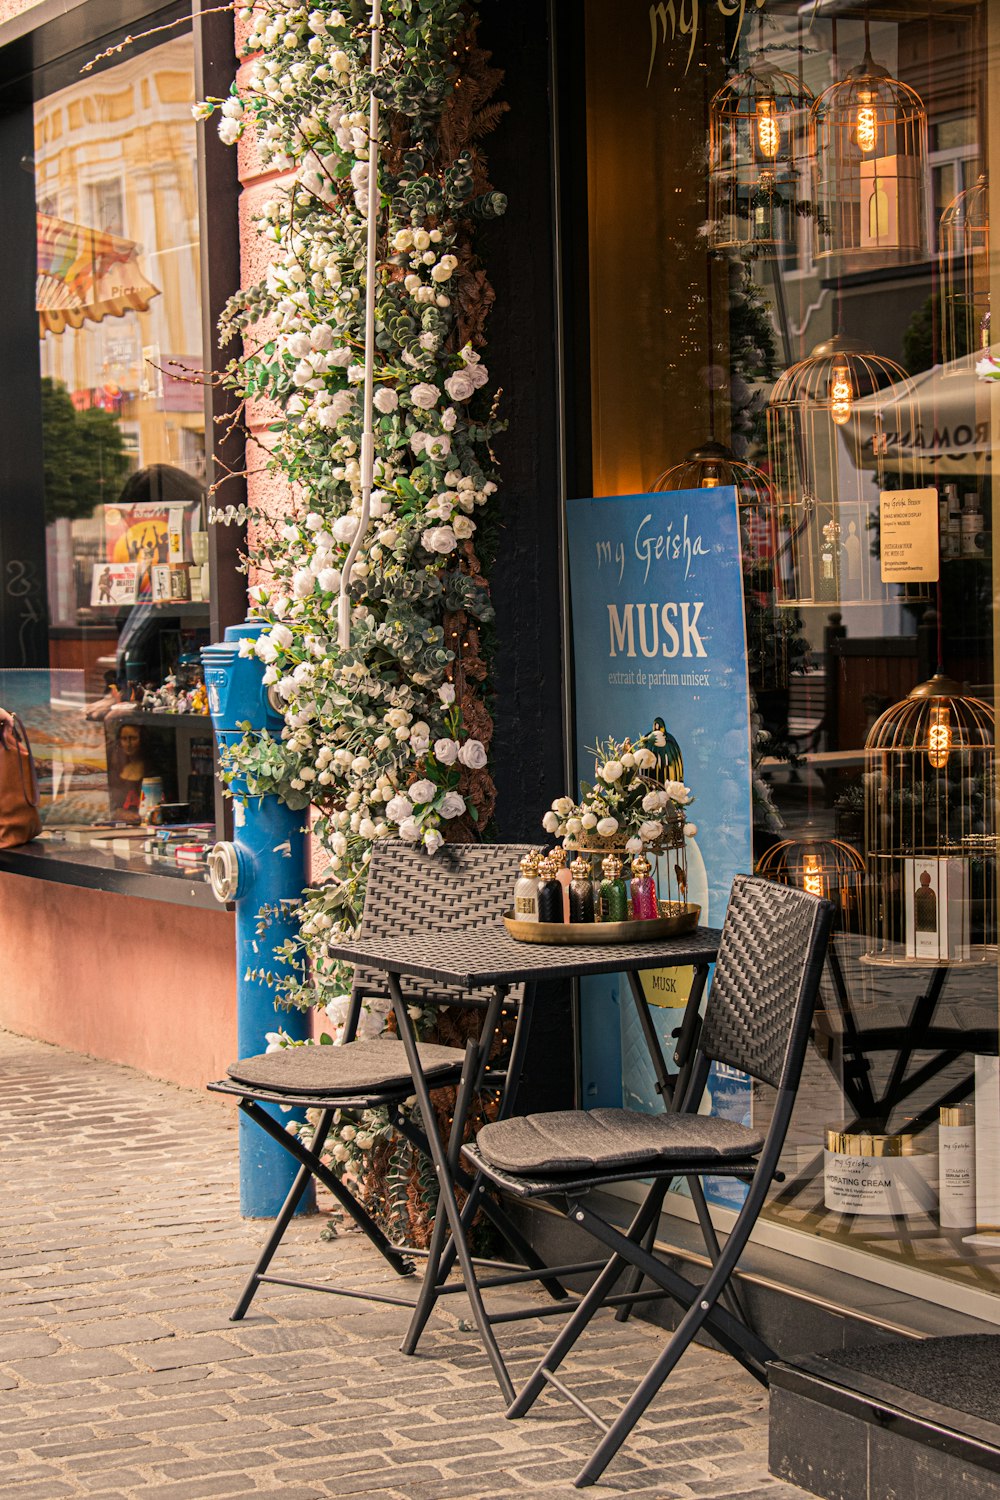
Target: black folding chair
{"type": "Point", "coordinates": [458, 888]}
{"type": "Point", "coordinates": [757, 1020]}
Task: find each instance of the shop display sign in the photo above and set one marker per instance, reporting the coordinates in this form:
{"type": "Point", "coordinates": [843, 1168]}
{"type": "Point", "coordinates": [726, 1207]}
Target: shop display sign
{"type": "Point", "coordinates": [659, 640]}
{"type": "Point", "coordinates": [908, 536]}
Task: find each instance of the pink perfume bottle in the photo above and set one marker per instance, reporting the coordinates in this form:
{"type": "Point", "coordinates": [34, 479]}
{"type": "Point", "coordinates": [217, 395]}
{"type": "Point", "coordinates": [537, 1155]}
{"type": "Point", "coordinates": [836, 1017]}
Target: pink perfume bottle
{"type": "Point", "coordinates": [644, 904]}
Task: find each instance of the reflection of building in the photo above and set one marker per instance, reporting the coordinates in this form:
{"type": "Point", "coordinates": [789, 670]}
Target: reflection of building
{"type": "Point", "coordinates": [118, 230]}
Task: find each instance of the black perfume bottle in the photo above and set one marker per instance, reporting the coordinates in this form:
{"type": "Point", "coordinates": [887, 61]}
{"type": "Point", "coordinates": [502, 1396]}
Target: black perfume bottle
{"type": "Point", "coordinates": [581, 891]}
{"type": "Point", "coordinates": [550, 893]}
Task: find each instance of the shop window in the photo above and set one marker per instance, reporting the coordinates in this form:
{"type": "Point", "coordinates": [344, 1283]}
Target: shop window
{"type": "Point", "coordinates": [102, 661]}
{"type": "Point", "coordinates": [815, 294]}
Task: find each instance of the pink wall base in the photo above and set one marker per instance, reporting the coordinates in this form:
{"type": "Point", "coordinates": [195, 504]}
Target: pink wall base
{"type": "Point", "coordinates": [133, 981]}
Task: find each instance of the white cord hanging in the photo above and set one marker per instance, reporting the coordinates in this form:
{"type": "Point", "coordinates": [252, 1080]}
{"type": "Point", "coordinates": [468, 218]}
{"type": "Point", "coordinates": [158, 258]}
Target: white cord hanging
{"type": "Point", "coordinates": [367, 434]}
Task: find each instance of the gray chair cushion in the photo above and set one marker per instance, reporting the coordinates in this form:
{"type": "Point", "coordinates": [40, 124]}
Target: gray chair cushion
{"type": "Point", "coordinates": [573, 1140]}
{"type": "Point", "coordinates": [359, 1068]}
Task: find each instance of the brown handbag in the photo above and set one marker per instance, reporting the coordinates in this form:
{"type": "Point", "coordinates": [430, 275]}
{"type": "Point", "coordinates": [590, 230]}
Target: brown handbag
{"type": "Point", "coordinates": [19, 819]}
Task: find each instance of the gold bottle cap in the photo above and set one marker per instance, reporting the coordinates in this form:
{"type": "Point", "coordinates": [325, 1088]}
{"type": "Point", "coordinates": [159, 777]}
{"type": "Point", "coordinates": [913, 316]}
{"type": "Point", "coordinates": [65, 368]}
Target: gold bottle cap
{"type": "Point", "coordinates": [546, 869]}
{"type": "Point", "coordinates": [580, 868]}
{"type": "Point", "coordinates": [641, 867]}
{"type": "Point", "coordinates": [958, 1114]}
{"type": "Point", "coordinates": [529, 865]}
{"type": "Point", "coordinates": [612, 867]}
{"type": "Point", "coordinates": [870, 1143]}
{"type": "Point", "coordinates": [558, 856]}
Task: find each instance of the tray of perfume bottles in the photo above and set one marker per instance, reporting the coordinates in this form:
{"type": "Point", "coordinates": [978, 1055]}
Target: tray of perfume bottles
{"type": "Point", "coordinates": [674, 920]}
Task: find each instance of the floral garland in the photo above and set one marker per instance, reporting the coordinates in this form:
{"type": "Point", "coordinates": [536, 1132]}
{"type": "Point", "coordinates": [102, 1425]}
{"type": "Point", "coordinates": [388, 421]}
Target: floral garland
{"type": "Point", "coordinates": [389, 737]}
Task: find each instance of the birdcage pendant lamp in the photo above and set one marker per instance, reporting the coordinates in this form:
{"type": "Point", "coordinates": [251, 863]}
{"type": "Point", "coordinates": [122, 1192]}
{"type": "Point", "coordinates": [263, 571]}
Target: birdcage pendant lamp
{"type": "Point", "coordinates": [930, 830]}
{"type": "Point", "coordinates": [710, 465]}
{"type": "Point", "coordinates": [965, 276]}
{"type": "Point", "coordinates": [758, 122]}
{"type": "Point", "coordinates": [822, 866]}
{"type": "Point", "coordinates": [834, 425]}
{"type": "Point", "coordinates": [869, 150]}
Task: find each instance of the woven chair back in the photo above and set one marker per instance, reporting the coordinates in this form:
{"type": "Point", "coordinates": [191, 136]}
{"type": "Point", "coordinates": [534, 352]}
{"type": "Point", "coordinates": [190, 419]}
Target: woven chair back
{"type": "Point", "coordinates": [457, 889]}
{"type": "Point", "coordinates": [766, 980]}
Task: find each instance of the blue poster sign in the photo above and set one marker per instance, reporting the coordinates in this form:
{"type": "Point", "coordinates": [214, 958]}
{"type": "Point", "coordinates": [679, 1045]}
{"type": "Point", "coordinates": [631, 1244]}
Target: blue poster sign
{"type": "Point", "coordinates": [659, 634]}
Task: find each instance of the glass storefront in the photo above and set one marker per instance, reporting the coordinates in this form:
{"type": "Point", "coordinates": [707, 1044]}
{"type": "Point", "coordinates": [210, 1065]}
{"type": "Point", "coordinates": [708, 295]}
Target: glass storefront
{"type": "Point", "coordinates": [109, 680]}
{"type": "Point", "coordinates": [790, 275]}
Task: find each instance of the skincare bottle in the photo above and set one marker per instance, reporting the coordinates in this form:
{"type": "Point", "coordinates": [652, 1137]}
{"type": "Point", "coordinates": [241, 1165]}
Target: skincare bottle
{"type": "Point", "coordinates": [558, 858]}
{"type": "Point", "coordinates": [957, 1166]}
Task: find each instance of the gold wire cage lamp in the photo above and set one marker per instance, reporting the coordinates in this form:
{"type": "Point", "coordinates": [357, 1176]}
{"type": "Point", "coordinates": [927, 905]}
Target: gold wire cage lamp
{"type": "Point", "coordinates": [757, 122]}
{"type": "Point", "coordinates": [823, 867]}
{"type": "Point", "coordinates": [930, 832]}
{"type": "Point", "coordinates": [713, 464]}
{"type": "Point", "coordinates": [827, 443]}
{"type": "Point", "coordinates": [965, 276]}
{"type": "Point", "coordinates": [869, 148]}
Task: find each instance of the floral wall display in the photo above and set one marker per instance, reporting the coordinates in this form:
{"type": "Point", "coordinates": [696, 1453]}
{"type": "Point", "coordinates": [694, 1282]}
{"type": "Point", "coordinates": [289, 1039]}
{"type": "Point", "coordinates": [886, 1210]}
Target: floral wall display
{"type": "Point", "coordinates": [389, 737]}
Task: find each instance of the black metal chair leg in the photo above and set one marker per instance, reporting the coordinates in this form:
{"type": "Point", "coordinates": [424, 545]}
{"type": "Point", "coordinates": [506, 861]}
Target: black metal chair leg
{"type": "Point", "coordinates": [633, 1279]}
{"type": "Point", "coordinates": [398, 1261]}
{"type": "Point", "coordinates": [281, 1223]}
{"type": "Point", "coordinates": [585, 1309]}
{"type": "Point", "coordinates": [447, 1199]}
{"type": "Point", "coordinates": [730, 1295]}
{"type": "Point", "coordinates": [698, 1313]}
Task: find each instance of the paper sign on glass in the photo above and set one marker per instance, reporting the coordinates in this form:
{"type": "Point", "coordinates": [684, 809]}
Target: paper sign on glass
{"type": "Point", "coordinates": [908, 536]}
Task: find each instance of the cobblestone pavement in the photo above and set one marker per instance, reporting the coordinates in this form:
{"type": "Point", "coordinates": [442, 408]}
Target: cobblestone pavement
{"type": "Point", "coordinates": [121, 1252]}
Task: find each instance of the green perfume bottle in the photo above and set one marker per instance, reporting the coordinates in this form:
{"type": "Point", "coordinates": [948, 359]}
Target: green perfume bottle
{"type": "Point", "coordinates": [614, 895]}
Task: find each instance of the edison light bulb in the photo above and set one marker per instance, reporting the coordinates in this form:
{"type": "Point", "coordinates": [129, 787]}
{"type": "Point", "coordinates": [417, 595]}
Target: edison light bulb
{"type": "Point", "coordinates": [841, 392]}
{"type": "Point", "coordinates": [939, 736]}
{"type": "Point", "coordinates": [866, 131]}
{"type": "Point", "coordinates": [711, 477]}
{"type": "Point", "coordinates": [812, 875]}
{"type": "Point", "coordinates": [768, 127]}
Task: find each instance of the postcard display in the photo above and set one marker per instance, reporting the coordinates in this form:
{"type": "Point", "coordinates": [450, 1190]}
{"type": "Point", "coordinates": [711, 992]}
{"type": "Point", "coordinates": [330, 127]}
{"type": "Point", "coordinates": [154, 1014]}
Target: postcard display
{"type": "Point", "coordinates": [152, 581]}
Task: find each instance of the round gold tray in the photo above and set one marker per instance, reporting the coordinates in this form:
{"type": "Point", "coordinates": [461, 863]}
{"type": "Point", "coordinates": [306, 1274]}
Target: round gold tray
{"type": "Point", "coordinates": [679, 919]}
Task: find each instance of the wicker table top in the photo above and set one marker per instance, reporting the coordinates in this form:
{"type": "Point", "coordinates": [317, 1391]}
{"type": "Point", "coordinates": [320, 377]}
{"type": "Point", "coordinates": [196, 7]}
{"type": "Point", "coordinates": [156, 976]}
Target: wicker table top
{"type": "Point", "coordinates": [488, 955]}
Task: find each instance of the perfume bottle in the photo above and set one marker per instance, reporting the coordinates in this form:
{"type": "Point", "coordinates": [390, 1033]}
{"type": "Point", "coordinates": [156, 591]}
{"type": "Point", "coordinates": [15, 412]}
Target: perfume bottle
{"type": "Point", "coordinates": [581, 891]}
{"type": "Point", "coordinates": [614, 897]}
{"type": "Point", "coordinates": [550, 893]}
{"type": "Point", "coordinates": [526, 890]}
{"type": "Point", "coordinates": [558, 858]}
{"type": "Point", "coordinates": [644, 904]}
{"type": "Point", "coordinates": [957, 1166]}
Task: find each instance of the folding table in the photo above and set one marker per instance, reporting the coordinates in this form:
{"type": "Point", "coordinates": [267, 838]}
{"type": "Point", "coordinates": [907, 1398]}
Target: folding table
{"type": "Point", "coordinates": [488, 957]}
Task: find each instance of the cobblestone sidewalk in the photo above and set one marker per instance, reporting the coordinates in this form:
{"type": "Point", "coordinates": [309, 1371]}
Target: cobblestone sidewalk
{"type": "Point", "coordinates": [121, 1252]}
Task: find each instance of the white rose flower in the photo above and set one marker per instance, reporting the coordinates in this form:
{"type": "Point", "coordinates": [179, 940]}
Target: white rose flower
{"type": "Point", "coordinates": [299, 345]}
{"type": "Point", "coordinates": [634, 846]}
{"type": "Point", "coordinates": [452, 805]}
{"type": "Point", "coordinates": [321, 336]}
{"type": "Point", "coordinates": [421, 239]}
{"type": "Point", "coordinates": [473, 754]}
{"type": "Point", "coordinates": [386, 399]}
{"type": "Point", "coordinates": [403, 240]}
{"type": "Point", "coordinates": [409, 831]}
{"type": "Point", "coordinates": [550, 823]}
{"type": "Point", "coordinates": [436, 445]}
{"type": "Point", "coordinates": [650, 831]}
{"type": "Point", "coordinates": [399, 809]}
{"type": "Point", "coordinates": [422, 791]}
{"type": "Point", "coordinates": [463, 527]}
{"type": "Point", "coordinates": [651, 802]}
{"type": "Point", "coordinates": [690, 830]}
{"type": "Point", "coordinates": [563, 806]}
{"type": "Point", "coordinates": [439, 539]}
{"type": "Point", "coordinates": [329, 580]}
{"type": "Point", "coordinates": [677, 792]}
{"type": "Point", "coordinates": [303, 583]}
{"type": "Point", "coordinates": [588, 820]}
{"type": "Point", "coordinates": [281, 636]}
{"type": "Point", "coordinates": [446, 753]}
{"type": "Point", "coordinates": [432, 840]}
{"type": "Point", "coordinates": [607, 827]}
{"type": "Point", "coordinates": [628, 761]}
{"type": "Point", "coordinates": [449, 419]}
{"type": "Point", "coordinates": [344, 528]}
{"type": "Point", "coordinates": [459, 385]}
{"type": "Point", "coordinates": [423, 395]}
{"type": "Point", "coordinates": [446, 692]}
{"type": "Point", "coordinates": [611, 770]}
{"type": "Point", "coordinates": [574, 825]}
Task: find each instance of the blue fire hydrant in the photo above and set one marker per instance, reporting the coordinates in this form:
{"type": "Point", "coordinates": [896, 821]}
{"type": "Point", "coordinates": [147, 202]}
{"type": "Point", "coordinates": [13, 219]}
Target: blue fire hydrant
{"type": "Point", "coordinates": [265, 866]}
